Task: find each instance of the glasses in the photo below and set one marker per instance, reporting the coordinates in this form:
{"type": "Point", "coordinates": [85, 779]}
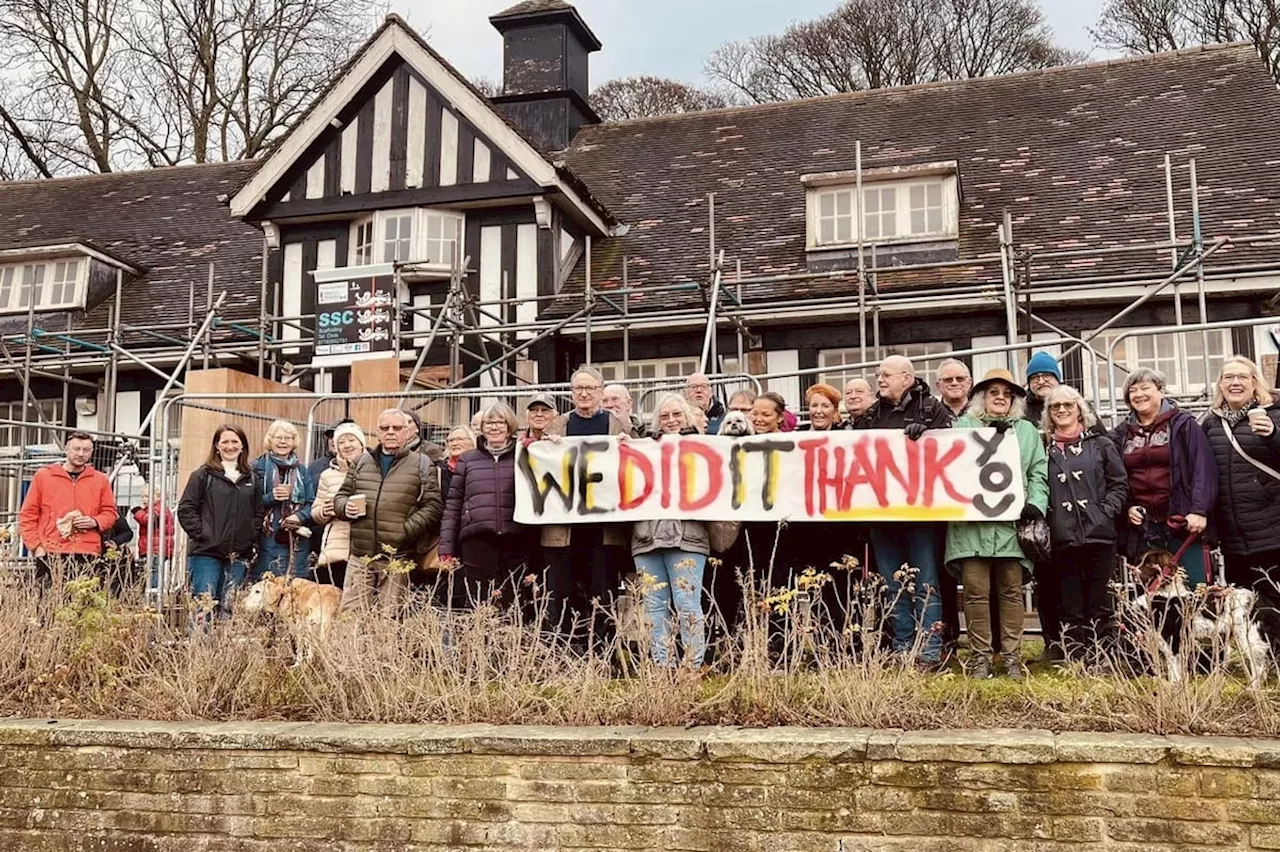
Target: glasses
{"type": "Point", "coordinates": [1042, 377]}
{"type": "Point", "coordinates": [954, 380]}
{"type": "Point", "coordinates": [888, 374]}
{"type": "Point", "coordinates": [587, 388]}
{"type": "Point", "coordinates": [699, 386]}
{"type": "Point", "coordinates": [1227, 378]}
{"type": "Point", "coordinates": [487, 424]}
{"type": "Point", "coordinates": [1061, 406]}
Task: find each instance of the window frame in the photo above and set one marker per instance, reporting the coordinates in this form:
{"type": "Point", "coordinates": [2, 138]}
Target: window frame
{"type": "Point", "coordinates": [1168, 355]}
{"type": "Point", "coordinates": [834, 374]}
{"type": "Point", "coordinates": [15, 286]}
{"type": "Point", "coordinates": [369, 241]}
{"type": "Point", "coordinates": [949, 210]}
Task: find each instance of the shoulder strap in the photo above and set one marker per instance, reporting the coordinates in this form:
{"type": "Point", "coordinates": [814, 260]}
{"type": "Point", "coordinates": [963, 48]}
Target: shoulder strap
{"type": "Point", "coordinates": [1226, 427]}
{"type": "Point", "coordinates": [426, 467]}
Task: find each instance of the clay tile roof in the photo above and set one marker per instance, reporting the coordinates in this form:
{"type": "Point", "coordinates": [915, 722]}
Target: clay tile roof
{"type": "Point", "coordinates": [1075, 154]}
{"type": "Point", "coordinates": [167, 222]}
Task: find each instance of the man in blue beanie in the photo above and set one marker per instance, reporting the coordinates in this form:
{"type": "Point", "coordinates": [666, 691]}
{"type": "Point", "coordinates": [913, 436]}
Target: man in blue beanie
{"type": "Point", "coordinates": [1043, 375]}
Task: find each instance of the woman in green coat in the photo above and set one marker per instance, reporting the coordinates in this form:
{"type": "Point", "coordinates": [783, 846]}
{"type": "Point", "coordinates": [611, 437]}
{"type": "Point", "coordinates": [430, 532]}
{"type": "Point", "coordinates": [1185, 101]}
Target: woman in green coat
{"type": "Point", "coordinates": [986, 554]}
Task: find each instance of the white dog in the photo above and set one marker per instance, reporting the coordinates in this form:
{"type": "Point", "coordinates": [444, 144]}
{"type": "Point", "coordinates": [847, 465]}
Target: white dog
{"type": "Point", "coordinates": [736, 425]}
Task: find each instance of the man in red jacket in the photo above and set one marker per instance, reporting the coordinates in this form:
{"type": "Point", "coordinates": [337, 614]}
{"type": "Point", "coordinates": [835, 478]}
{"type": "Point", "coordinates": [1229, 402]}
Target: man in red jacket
{"type": "Point", "coordinates": [67, 509]}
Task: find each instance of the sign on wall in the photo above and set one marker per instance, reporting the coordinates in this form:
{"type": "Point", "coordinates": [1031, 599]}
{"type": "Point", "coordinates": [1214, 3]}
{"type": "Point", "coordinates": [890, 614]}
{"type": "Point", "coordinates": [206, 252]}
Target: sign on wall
{"type": "Point", "coordinates": [355, 314]}
{"type": "Point", "coordinates": [871, 475]}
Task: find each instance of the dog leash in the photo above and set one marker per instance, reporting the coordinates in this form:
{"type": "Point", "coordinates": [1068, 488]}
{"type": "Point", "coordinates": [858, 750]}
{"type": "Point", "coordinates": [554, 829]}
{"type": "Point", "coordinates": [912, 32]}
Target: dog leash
{"type": "Point", "coordinates": [1166, 573]}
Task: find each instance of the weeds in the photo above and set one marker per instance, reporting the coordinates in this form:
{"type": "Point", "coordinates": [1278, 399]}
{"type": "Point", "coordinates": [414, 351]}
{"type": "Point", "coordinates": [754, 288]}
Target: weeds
{"type": "Point", "coordinates": [77, 651]}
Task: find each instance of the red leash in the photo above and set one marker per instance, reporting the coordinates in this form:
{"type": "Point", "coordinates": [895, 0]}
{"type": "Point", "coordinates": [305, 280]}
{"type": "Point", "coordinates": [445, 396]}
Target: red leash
{"type": "Point", "coordinates": [1166, 573]}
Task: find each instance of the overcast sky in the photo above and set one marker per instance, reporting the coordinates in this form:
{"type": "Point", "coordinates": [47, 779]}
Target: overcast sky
{"type": "Point", "coordinates": [668, 38]}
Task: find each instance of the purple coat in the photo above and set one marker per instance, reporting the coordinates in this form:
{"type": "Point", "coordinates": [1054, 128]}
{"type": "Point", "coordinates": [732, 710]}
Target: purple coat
{"type": "Point", "coordinates": [1193, 473]}
{"type": "Point", "coordinates": [482, 499]}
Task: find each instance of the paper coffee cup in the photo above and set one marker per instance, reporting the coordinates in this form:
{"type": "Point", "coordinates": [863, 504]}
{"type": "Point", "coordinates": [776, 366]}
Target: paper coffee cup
{"type": "Point", "coordinates": [1257, 414]}
{"type": "Point", "coordinates": [359, 501]}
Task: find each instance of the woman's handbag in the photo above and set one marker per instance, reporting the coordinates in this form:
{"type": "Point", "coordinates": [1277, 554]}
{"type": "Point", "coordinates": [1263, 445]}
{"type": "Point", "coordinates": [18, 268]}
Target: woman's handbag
{"type": "Point", "coordinates": [722, 534]}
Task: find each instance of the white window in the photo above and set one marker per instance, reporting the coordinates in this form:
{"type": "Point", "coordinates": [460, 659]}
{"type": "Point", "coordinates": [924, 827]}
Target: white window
{"type": "Point", "coordinates": [1180, 357]}
{"type": "Point", "coordinates": [836, 358]}
{"type": "Point", "coordinates": [66, 274]}
{"type": "Point", "coordinates": [647, 379]}
{"type": "Point", "coordinates": [362, 241]}
{"type": "Point", "coordinates": [50, 285]}
{"type": "Point", "coordinates": [441, 232]}
{"type": "Point", "coordinates": [397, 237]}
{"type": "Point", "coordinates": [426, 238]}
{"type": "Point", "coordinates": [14, 413]}
{"type": "Point", "coordinates": [893, 211]}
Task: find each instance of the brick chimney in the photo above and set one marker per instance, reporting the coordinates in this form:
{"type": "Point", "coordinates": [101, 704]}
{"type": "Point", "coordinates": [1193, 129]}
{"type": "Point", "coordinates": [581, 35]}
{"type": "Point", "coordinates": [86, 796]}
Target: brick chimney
{"type": "Point", "coordinates": [545, 70]}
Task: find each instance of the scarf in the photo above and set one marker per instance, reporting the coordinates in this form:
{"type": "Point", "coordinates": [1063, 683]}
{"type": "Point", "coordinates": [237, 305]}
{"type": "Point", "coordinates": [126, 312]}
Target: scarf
{"type": "Point", "coordinates": [1232, 416]}
{"type": "Point", "coordinates": [1061, 439]}
{"type": "Point", "coordinates": [281, 471]}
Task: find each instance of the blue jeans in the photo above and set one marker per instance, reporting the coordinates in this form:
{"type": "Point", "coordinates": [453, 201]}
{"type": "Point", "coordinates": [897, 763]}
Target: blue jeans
{"type": "Point", "coordinates": [918, 546]}
{"type": "Point", "coordinates": [679, 575]}
{"type": "Point", "coordinates": [218, 578]}
{"type": "Point", "coordinates": [273, 558]}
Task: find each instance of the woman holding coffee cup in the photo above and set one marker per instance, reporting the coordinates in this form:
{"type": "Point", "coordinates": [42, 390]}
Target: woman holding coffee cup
{"type": "Point", "coordinates": [335, 543]}
{"type": "Point", "coordinates": [1244, 430]}
{"type": "Point", "coordinates": [287, 494]}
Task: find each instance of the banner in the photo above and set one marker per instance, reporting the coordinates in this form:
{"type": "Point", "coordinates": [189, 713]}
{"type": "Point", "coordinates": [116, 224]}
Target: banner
{"type": "Point", "coordinates": [866, 475]}
{"type": "Point", "coordinates": [355, 314]}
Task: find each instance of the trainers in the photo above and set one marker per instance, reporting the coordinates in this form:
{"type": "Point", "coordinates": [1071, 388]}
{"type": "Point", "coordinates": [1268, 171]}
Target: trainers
{"type": "Point", "coordinates": [980, 668]}
{"type": "Point", "coordinates": [1013, 668]}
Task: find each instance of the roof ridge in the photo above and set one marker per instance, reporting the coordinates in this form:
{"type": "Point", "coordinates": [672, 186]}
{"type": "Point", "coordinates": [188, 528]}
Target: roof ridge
{"type": "Point", "coordinates": [124, 174]}
{"type": "Point", "coordinates": [1115, 61]}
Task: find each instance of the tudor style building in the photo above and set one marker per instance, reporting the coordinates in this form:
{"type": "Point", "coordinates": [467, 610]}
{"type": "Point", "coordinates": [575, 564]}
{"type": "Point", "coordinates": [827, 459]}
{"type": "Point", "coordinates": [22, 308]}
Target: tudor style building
{"type": "Point", "coordinates": [402, 168]}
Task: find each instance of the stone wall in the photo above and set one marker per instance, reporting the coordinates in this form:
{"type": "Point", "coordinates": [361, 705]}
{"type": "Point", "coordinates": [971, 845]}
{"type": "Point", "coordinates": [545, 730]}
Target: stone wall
{"type": "Point", "coordinates": [286, 787]}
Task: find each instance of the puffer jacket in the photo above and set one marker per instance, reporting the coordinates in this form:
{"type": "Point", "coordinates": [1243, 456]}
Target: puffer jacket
{"type": "Point", "coordinates": [561, 536]}
{"type": "Point", "coordinates": [404, 507]}
{"type": "Point", "coordinates": [335, 537]}
{"type": "Point", "coordinates": [917, 405]}
{"type": "Point", "coordinates": [999, 539]}
{"type": "Point", "coordinates": [482, 498]}
{"type": "Point", "coordinates": [221, 518]}
{"type": "Point", "coordinates": [1247, 497]}
{"type": "Point", "coordinates": [1087, 490]}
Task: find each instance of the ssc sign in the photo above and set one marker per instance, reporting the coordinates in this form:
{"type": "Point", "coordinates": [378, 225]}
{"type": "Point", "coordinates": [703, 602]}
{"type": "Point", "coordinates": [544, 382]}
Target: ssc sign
{"type": "Point", "coordinates": [354, 318]}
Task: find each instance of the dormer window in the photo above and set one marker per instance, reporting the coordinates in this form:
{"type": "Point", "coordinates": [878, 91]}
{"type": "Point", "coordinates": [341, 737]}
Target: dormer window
{"type": "Point", "coordinates": [908, 204]}
{"type": "Point", "coordinates": [52, 284]}
{"type": "Point", "coordinates": [426, 239]}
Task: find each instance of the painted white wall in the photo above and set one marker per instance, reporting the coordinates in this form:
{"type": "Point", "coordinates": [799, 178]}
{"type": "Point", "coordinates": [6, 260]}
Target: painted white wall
{"type": "Point", "coordinates": [380, 178]}
{"type": "Point", "coordinates": [526, 275]}
{"type": "Point", "coordinates": [291, 292]}
{"type": "Point", "coordinates": [315, 178]}
{"type": "Point", "coordinates": [348, 181]}
{"type": "Point", "coordinates": [781, 361]}
{"type": "Point", "coordinates": [480, 163]}
{"type": "Point", "coordinates": [128, 412]}
{"type": "Point", "coordinates": [417, 144]}
{"type": "Point", "coordinates": [490, 270]}
{"type": "Point", "coordinates": [448, 148]}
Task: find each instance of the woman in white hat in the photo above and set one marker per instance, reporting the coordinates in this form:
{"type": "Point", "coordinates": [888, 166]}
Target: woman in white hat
{"type": "Point", "coordinates": [986, 554]}
{"type": "Point", "coordinates": [335, 544]}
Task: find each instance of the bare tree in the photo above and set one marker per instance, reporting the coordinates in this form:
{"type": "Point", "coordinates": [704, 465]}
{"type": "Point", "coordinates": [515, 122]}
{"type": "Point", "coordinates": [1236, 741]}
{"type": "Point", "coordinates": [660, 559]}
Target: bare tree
{"type": "Point", "coordinates": [487, 86]}
{"type": "Point", "coordinates": [645, 97]}
{"type": "Point", "coordinates": [866, 44]}
{"type": "Point", "coordinates": [1152, 26]}
{"type": "Point", "coordinates": [96, 85]}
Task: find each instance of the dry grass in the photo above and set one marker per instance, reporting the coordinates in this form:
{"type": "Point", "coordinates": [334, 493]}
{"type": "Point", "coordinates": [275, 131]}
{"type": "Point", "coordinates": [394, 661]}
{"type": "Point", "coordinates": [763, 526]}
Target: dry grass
{"type": "Point", "coordinates": [76, 652]}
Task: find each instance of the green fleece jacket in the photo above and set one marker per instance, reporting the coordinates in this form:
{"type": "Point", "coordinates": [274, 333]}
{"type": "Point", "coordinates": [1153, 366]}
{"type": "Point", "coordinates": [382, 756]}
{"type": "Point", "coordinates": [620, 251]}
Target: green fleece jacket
{"type": "Point", "coordinates": [966, 539]}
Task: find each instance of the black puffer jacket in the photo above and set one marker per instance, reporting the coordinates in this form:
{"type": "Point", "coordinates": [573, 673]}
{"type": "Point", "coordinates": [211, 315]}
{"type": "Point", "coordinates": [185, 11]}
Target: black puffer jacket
{"type": "Point", "coordinates": [404, 507]}
{"type": "Point", "coordinates": [1087, 489]}
{"type": "Point", "coordinates": [220, 517]}
{"type": "Point", "coordinates": [482, 498]}
{"type": "Point", "coordinates": [1247, 496]}
{"type": "Point", "coordinates": [917, 405]}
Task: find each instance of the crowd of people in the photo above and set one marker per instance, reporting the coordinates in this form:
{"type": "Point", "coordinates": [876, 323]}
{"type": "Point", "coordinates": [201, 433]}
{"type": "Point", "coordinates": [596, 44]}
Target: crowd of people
{"type": "Point", "coordinates": [377, 514]}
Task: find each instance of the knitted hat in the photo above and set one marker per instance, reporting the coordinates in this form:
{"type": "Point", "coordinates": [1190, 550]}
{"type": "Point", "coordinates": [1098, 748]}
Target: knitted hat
{"type": "Point", "coordinates": [349, 428]}
{"type": "Point", "coordinates": [1043, 362]}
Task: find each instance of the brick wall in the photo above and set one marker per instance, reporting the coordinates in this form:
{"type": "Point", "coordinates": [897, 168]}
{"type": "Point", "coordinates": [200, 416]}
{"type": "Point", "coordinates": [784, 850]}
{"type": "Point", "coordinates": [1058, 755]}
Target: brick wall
{"type": "Point", "coordinates": [155, 787]}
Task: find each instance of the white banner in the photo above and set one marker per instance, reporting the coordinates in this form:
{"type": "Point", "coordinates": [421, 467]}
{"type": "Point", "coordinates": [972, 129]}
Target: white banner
{"type": "Point", "coordinates": [866, 475]}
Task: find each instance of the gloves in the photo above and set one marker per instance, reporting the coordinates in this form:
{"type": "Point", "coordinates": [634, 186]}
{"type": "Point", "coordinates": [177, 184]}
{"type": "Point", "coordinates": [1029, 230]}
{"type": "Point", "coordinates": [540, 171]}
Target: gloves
{"type": "Point", "coordinates": [1001, 426]}
{"type": "Point", "coordinates": [914, 431]}
{"type": "Point", "coordinates": [1030, 513]}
